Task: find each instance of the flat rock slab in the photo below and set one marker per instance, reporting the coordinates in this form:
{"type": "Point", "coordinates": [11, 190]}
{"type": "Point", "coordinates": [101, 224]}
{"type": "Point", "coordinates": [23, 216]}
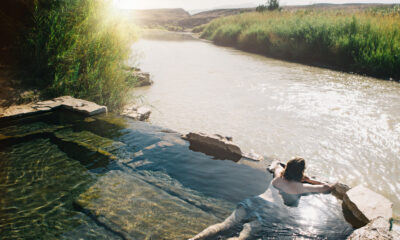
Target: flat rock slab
{"type": "Point", "coordinates": [135, 209]}
{"type": "Point", "coordinates": [367, 205]}
{"type": "Point", "coordinates": [79, 105]}
{"type": "Point", "coordinates": [17, 111]}
{"type": "Point", "coordinates": [67, 102]}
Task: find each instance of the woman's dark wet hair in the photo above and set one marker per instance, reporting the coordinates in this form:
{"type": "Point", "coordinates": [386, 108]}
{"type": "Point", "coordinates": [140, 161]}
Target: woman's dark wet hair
{"type": "Point", "coordinates": [294, 170]}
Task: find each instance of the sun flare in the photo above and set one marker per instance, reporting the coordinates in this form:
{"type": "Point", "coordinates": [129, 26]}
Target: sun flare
{"type": "Point", "coordinates": [128, 4]}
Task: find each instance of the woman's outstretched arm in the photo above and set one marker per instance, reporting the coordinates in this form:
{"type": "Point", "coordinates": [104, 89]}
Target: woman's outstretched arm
{"type": "Point", "coordinates": [306, 179]}
{"type": "Point", "coordinates": [229, 222]}
{"type": "Point", "coordinates": [319, 188]}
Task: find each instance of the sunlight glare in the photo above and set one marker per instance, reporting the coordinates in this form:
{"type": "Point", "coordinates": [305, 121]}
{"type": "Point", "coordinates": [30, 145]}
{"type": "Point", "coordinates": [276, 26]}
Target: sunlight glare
{"type": "Point", "coordinates": [127, 4]}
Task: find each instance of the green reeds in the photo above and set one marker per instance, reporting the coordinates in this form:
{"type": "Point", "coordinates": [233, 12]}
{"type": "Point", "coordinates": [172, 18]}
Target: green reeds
{"type": "Point", "coordinates": [366, 42]}
{"type": "Point", "coordinates": [78, 48]}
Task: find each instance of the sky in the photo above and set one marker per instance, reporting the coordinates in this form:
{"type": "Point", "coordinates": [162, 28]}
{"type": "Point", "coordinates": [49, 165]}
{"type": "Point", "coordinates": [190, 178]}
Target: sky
{"type": "Point", "coordinates": [207, 4]}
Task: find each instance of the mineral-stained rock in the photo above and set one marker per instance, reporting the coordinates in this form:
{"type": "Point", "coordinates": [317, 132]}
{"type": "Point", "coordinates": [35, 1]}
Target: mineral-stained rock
{"type": "Point", "coordinates": [214, 145]}
{"type": "Point", "coordinates": [367, 205]}
{"type": "Point", "coordinates": [135, 209]}
{"type": "Point", "coordinates": [377, 229]}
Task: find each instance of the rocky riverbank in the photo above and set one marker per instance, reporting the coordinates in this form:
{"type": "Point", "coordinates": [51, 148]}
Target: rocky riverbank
{"type": "Point", "coordinates": [15, 101]}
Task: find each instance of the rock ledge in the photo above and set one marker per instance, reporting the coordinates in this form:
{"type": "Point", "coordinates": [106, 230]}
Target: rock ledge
{"type": "Point", "coordinates": [66, 102]}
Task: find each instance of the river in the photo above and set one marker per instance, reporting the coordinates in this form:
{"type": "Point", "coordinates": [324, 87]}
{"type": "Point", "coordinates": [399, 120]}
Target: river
{"type": "Point", "coordinates": [346, 126]}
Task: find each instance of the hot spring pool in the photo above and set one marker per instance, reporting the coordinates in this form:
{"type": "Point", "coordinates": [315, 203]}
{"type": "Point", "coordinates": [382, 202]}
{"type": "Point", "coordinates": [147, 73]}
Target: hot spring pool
{"type": "Point", "coordinates": [64, 176]}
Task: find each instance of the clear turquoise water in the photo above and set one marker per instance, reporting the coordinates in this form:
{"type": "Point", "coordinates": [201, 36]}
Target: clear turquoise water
{"type": "Point", "coordinates": [64, 176]}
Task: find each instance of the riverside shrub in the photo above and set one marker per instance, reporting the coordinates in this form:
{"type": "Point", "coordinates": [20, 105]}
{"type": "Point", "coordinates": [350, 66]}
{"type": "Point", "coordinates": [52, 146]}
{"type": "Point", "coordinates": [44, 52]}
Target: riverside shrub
{"type": "Point", "coordinates": [366, 42]}
{"type": "Point", "coordinates": [78, 48]}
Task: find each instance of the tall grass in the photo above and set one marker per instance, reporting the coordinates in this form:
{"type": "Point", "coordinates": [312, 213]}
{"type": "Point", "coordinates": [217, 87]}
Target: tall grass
{"type": "Point", "coordinates": [366, 42]}
{"type": "Point", "coordinates": [78, 48]}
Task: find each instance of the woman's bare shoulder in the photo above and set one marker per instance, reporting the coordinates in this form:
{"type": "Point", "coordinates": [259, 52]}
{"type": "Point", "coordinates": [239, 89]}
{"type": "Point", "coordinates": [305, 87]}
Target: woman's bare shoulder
{"type": "Point", "coordinates": [277, 182]}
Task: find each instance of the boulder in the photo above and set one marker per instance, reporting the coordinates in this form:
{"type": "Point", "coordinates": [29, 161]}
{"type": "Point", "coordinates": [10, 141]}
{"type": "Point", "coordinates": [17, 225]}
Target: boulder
{"type": "Point", "coordinates": [144, 113]}
{"type": "Point", "coordinates": [377, 229]}
{"type": "Point", "coordinates": [137, 113]}
{"type": "Point", "coordinates": [143, 79]}
{"type": "Point", "coordinates": [339, 190]}
{"type": "Point", "coordinates": [214, 145]}
{"type": "Point", "coordinates": [366, 205]}
{"type": "Point", "coordinates": [139, 78]}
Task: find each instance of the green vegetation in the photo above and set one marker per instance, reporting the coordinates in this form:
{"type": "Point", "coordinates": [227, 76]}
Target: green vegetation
{"type": "Point", "coordinates": [78, 48]}
{"type": "Point", "coordinates": [367, 42]}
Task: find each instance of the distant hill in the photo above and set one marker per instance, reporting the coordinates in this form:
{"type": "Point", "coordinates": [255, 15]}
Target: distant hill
{"type": "Point", "coordinates": [333, 6]}
{"type": "Point", "coordinates": [236, 6]}
{"type": "Point", "coordinates": [208, 16]}
{"type": "Point", "coordinates": [165, 16]}
{"type": "Point", "coordinates": [180, 19]}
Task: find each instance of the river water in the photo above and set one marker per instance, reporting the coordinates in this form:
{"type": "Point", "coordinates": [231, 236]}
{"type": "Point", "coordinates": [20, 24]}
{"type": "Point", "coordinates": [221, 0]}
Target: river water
{"type": "Point", "coordinates": [346, 126]}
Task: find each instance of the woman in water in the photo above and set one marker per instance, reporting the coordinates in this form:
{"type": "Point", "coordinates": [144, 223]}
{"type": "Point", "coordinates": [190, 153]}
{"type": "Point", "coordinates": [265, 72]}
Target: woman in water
{"type": "Point", "coordinates": [286, 188]}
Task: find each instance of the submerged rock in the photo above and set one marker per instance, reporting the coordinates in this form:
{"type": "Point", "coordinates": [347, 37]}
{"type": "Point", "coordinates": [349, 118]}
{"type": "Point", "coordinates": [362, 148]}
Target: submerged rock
{"type": "Point", "coordinates": [377, 229]}
{"type": "Point", "coordinates": [134, 209]}
{"type": "Point", "coordinates": [214, 145]}
{"type": "Point", "coordinates": [367, 205]}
